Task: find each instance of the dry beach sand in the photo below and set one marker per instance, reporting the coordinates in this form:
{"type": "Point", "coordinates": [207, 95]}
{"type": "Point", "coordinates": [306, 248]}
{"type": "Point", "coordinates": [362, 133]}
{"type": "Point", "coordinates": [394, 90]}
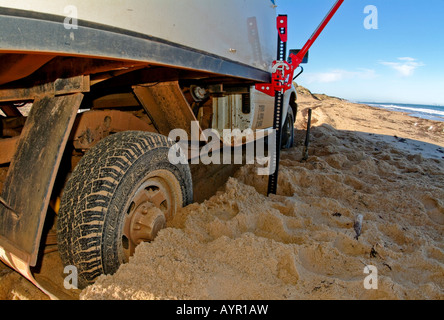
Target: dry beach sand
{"type": "Point", "coordinates": [300, 244]}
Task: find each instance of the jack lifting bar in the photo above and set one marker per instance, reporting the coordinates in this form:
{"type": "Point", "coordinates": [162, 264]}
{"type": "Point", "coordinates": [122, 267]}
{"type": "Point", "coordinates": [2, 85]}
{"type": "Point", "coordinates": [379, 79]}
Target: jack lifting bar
{"type": "Point", "coordinates": [282, 79]}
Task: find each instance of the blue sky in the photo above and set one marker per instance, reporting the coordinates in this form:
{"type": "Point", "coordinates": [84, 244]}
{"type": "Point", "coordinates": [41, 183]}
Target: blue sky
{"type": "Point", "coordinates": [402, 61]}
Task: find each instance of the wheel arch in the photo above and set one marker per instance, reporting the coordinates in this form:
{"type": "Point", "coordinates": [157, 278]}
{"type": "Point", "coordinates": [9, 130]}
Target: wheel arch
{"type": "Point", "coordinates": [290, 98]}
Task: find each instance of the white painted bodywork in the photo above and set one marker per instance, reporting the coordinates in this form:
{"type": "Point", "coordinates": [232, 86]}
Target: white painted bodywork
{"type": "Point", "coordinates": [225, 28]}
{"type": "Point", "coordinates": [227, 111]}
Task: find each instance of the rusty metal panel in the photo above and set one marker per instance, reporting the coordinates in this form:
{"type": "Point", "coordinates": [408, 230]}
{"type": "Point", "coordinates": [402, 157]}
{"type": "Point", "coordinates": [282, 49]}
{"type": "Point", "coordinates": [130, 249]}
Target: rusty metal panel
{"type": "Point", "coordinates": [58, 87]}
{"type": "Point", "coordinates": [18, 66]}
{"type": "Point", "coordinates": [33, 170]}
{"type": "Point", "coordinates": [92, 126]}
{"type": "Point", "coordinates": [7, 149]}
{"type": "Point", "coordinates": [167, 106]}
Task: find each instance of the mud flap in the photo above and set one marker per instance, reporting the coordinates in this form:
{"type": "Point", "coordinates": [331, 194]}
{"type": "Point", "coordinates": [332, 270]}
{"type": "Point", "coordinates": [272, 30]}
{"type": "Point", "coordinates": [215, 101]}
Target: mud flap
{"type": "Point", "coordinates": [30, 180]}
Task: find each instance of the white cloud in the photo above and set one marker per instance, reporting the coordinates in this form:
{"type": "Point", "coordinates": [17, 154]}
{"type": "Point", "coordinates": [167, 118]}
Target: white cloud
{"type": "Point", "coordinates": [405, 66]}
{"type": "Point", "coordinates": [339, 75]}
{"type": "Point", "coordinates": [407, 59]}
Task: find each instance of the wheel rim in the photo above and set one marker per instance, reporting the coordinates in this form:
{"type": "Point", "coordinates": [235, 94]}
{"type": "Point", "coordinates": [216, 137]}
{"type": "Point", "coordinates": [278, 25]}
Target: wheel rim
{"type": "Point", "coordinates": [151, 205]}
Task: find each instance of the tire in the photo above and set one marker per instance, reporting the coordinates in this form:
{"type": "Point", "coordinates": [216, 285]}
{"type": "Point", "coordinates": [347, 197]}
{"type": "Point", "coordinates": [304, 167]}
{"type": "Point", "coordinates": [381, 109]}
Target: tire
{"type": "Point", "coordinates": [288, 130]}
{"type": "Point", "coordinates": [123, 192]}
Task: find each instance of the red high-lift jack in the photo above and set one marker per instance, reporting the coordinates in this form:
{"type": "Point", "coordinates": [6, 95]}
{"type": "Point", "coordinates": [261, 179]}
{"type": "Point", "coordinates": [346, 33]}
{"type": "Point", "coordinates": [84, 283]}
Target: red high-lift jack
{"type": "Point", "coordinates": [282, 79]}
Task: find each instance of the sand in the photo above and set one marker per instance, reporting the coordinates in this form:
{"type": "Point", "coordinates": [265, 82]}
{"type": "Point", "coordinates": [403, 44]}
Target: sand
{"type": "Point", "coordinates": [300, 244]}
{"type": "Point", "coordinates": [237, 243]}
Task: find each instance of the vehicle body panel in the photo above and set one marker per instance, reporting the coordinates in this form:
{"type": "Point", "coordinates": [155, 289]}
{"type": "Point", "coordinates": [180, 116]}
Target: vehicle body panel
{"type": "Point", "coordinates": [189, 34]}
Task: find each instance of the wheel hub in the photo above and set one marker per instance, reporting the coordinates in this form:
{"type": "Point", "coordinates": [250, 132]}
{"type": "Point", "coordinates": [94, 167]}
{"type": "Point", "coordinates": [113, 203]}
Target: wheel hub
{"type": "Point", "coordinates": [146, 222]}
{"type": "Point", "coordinates": [147, 213]}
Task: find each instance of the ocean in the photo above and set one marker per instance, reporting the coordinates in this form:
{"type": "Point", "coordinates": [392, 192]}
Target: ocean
{"type": "Point", "coordinates": [431, 112]}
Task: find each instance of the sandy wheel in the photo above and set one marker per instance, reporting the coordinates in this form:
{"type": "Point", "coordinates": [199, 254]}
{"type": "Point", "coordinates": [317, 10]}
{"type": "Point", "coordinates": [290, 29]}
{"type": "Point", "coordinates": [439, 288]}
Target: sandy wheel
{"type": "Point", "coordinates": [288, 130]}
{"type": "Point", "coordinates": [149, 207]}
{"type": "Point", "coordinates": [121, 194]}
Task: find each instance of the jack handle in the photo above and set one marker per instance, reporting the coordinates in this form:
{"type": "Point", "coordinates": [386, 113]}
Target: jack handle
{"type": "Point", "coordinates": [298, 58]}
